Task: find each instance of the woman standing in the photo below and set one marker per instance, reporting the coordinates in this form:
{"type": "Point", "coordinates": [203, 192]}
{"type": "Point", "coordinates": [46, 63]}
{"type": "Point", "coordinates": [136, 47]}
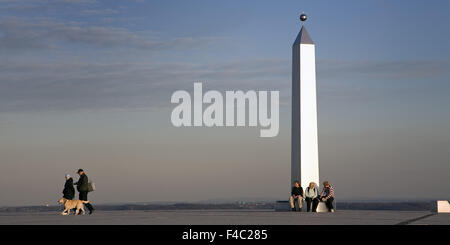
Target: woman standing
{"type": "Point", "coordinates": [69, 191]}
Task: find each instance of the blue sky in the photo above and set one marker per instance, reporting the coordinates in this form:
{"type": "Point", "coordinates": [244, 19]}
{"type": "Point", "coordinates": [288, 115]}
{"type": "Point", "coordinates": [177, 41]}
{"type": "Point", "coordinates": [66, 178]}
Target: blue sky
{"type": "Point", "coordinates": [88, 83]}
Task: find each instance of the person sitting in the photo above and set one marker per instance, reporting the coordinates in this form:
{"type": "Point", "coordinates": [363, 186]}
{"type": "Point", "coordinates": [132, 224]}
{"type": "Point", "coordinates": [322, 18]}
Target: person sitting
{"type": "Point", "coordinates": [311, 197]}
{"type": "Point", "coordinates": [327, 196]}
{"type": "Point", "coordinates": [296, 196]}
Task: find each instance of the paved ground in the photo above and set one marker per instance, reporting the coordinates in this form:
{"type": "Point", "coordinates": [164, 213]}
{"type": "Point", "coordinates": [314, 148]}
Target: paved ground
{"type": "Point", "coordinates": [227, 217]}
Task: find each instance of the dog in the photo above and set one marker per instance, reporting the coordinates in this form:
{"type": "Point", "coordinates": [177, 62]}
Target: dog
{"type": "Point", "coordinates": [71, 204]}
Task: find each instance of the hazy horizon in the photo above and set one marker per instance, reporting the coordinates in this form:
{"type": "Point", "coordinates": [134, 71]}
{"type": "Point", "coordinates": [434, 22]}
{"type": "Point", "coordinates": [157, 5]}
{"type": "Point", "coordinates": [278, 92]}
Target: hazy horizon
{"type": "Point", "coordinates": [87, 84]}
{"type": "Point", "coordinates": [232, 200]}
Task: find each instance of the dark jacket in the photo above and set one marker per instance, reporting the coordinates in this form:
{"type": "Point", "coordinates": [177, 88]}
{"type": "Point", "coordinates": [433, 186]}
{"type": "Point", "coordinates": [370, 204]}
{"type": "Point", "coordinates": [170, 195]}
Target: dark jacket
{"type": "Point", "coordinates": [82, 184]}
{"type": "Point", "coordinates": [69, 191]}
{"type": "Point", "coordinates": [297, 191]}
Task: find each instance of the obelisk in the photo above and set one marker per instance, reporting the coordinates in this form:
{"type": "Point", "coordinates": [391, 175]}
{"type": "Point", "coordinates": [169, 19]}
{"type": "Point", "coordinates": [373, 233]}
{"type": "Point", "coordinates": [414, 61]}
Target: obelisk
{"type": "Point", "coordinates": [304, 152]}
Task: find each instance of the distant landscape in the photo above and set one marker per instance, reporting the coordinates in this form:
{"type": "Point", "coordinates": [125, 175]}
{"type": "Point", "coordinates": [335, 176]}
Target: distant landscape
{"type": "Point", "coordinates": [399, 206]}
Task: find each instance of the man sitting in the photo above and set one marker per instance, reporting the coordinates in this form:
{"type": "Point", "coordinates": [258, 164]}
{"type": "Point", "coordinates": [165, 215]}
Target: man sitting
{"type": "Point", "coordinates": [296, 195]}
{"type": "Point", "coordinates": [327, 195]}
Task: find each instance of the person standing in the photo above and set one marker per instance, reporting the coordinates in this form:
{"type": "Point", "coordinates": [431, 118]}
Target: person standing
{"type": "Point", "coordinates": [69, 191]}
{"type": "Point", "coordinates": [296, 196]}
{"type": "Point", "coordinates": [311, 196]}
{"type": "Point", "coordinates": [83, 189]}
{"type": "Point", "coordinates": [327, 196]}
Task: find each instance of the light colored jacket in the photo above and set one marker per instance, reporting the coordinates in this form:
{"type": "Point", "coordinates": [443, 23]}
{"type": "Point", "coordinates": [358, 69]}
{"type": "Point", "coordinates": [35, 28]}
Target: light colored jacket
{"type": "Point", "coordinates": [311, 193]}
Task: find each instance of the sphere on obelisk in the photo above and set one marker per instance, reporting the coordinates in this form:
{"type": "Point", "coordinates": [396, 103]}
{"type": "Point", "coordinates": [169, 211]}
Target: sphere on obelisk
{"type": "Point", "coordinates": [303, 17]}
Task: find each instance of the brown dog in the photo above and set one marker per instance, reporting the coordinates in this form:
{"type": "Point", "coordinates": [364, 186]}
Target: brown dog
{"type": "Point", "coordinates": [71, 204]}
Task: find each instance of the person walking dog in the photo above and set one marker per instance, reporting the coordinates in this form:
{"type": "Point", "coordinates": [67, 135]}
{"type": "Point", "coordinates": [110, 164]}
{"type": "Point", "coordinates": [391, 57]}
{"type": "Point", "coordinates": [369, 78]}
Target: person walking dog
{"type": "Point", "coordinates": [83, 189]}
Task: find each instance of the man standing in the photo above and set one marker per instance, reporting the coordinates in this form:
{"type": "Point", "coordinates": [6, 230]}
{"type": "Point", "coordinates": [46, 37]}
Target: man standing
{"type": "Point", "coordinates": [83, 188]}
{"type": "Point", "coordinates": [296, 195]}
{"type": "Point", "coordinates": [327, 195]}
{"type": "Point", "coordinates": [69, 191]}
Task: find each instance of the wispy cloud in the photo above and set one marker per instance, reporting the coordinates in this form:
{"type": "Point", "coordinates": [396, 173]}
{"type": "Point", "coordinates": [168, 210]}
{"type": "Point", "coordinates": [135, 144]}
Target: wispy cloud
{"type": "Point", "coordinates": [400, 69]}
{"type": "Point", "coordinates": [32, 86]}
{"type": "Point", "coordinates": [75, 1]}
{"type": "Point", "coordinates": [99, 11]}
{"type": "Point", "coordinates": [18, 34]}
{"type": "Point", "coordinates": [21, 5]}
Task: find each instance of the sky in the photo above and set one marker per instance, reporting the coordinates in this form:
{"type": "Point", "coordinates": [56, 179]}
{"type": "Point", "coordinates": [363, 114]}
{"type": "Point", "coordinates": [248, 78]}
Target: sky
{"type": "Point", "coordinates": [87, 84]}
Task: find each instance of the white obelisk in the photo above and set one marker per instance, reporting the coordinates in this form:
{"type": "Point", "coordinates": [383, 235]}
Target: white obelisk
{"type": "Point", "coordinates": [304, 152]}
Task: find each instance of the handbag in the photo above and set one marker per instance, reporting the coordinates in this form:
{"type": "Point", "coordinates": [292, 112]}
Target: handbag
{"type": "Point", "coordinates": [91, 186]}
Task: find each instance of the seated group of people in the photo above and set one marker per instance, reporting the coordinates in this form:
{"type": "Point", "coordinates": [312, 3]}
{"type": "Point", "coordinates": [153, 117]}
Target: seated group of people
{"type": "Point", "coordinates": [311, 196]}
